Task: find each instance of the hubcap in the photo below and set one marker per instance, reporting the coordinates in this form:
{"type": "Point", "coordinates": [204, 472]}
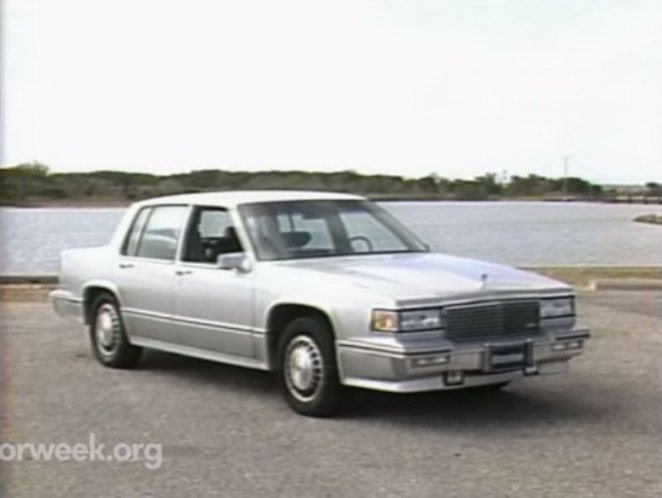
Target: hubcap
{"type": "Point", "coordinates": [107, 328]}
{"type": "Point", "coordinates": [303, 369]}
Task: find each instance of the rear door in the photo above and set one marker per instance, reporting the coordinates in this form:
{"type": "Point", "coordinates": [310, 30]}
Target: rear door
{"type": "Point", "coordinates": [146, 271]}
{"type": "Point", "coordinates": [213, 307]}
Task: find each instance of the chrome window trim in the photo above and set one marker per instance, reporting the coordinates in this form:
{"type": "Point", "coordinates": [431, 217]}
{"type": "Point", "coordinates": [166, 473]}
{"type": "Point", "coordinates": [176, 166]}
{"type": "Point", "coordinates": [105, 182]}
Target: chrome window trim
{"type": "Point", "coordinates": [244, 239]}
{"type": "Point", "coordinates": [152, 208]}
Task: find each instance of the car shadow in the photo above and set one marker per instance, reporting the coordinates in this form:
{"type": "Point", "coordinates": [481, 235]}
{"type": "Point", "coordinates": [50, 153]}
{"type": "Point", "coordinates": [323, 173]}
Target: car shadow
{"type": "Point", "coordinates": [524, 404]}
{"type": "Point", "coordinates": [202, 371]}
{"type": "Point", "coordinates": [514, 407]}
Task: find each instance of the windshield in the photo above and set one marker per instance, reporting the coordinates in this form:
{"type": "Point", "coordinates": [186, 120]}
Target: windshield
{"type": "Point", "coordinates": [313, 229]}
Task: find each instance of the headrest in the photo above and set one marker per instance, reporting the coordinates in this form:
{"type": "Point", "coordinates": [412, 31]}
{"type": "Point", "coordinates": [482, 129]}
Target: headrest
{"type": "Point", "coordinates": [297, 239]}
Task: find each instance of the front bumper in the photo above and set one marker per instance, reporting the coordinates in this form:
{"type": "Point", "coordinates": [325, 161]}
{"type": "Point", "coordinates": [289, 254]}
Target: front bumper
{"type": "Point", "coordinates": [456, 365]}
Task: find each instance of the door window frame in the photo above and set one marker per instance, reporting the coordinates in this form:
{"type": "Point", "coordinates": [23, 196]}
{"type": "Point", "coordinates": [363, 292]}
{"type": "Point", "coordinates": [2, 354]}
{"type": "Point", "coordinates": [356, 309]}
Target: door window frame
{"type": "Point", "coordinates": [152, 208]}
{"type": "Point", "coordinates": [234, 217]}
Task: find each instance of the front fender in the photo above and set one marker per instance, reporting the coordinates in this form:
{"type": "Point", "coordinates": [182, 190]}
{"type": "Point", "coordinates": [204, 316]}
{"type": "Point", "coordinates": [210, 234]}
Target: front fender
{"type": "Point", "coordinates": [349, 319]}
{"type": "Point", "coordinates": [322, 307]}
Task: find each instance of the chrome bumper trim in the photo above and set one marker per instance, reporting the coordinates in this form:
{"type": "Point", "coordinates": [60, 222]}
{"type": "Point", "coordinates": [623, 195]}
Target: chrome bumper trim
{"type": "Point", "coordinates": [67, 305]}
{"type": "Point", "coordinates": [481, 362]}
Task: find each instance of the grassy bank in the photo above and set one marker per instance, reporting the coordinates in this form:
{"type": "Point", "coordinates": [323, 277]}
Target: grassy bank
{"type": "Point", "coordinates": [583, 275]}
{"type": "Point", "coordinates": [35, 184]}
{"type": "Point", "coordinates": [83, 202]}
{"type": "Point", "coordinates": [653, 219]}
{"type": "Point", "coordinates": [112, 202]}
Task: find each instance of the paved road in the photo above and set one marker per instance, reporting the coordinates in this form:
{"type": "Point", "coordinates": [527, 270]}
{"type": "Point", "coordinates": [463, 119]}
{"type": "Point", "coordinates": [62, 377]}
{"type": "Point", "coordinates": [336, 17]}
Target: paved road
{"type": "Point", "coordinates": [225, 432]}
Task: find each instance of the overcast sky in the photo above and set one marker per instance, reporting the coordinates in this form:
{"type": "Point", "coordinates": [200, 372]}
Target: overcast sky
{"type": "Point", "coordinates": [454, 87]}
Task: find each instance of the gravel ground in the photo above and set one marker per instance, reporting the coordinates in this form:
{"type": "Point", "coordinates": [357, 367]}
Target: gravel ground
{"type": "Point", "coordinates": [596, 431]}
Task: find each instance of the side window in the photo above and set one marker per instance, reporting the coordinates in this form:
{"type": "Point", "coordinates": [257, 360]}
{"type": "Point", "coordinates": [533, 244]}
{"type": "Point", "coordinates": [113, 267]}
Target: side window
{"type": "Point", "coordinates": [132, 239]}
{"type": "Point", "coordinates": [210, 234]}
{"type": "Point", "coordinates": [161, 233]}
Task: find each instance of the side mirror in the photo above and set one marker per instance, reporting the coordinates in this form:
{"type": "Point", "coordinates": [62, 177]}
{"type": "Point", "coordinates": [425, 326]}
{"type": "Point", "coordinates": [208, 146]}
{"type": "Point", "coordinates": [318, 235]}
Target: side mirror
{"type": "Point", "coordinates": [233, 261]}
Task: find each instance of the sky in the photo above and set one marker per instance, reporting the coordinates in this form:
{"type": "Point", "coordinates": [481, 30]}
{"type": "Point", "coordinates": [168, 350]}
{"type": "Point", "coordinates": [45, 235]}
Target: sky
{"type": "Point", "coordinates": [407, 87]}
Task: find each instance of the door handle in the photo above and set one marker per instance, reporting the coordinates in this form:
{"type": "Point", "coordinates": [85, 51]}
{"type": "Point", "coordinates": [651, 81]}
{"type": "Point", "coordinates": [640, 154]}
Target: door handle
{"type": "Point", "coordinates": [183, 272]}
{"type": "Point", "coordinates": [124, 266]}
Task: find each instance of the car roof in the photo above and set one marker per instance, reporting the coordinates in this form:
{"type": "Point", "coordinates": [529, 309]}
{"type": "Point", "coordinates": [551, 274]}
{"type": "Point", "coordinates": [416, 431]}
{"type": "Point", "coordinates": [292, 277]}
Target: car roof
{"type": "Point", "coordinates": [234, 198]}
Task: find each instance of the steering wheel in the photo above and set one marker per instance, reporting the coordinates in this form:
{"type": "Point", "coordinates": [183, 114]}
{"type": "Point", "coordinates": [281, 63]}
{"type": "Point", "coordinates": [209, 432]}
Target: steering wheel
{"type": "Point", "coordinates": [363, 239]}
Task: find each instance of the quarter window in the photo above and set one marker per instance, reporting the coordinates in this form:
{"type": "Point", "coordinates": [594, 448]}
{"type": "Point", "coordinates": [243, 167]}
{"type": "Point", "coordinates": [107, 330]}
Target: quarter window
{"type": "Point", "coordinates": [161, 233]}
{"type": "Point", "coordinates": [131, 242]}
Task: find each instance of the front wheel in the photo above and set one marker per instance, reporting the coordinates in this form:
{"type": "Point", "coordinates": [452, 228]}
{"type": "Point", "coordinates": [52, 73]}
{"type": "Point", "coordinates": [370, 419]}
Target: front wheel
{"type": "Point", "coordinates": [110, 344]}
{"type": "Point", "coordinates": [308, 370]}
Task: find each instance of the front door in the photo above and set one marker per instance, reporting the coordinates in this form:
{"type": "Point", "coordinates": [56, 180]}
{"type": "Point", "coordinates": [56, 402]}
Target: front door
{"type": "Point", "coordinates": [213, 307]}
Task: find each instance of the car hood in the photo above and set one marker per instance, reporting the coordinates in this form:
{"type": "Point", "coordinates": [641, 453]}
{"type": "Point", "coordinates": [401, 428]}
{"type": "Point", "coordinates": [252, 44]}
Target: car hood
{"type": "Point", "coordinates": [430, 275]}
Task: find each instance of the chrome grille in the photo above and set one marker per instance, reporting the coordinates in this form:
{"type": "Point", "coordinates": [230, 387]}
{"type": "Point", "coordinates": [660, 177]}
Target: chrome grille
{"type": "Point", "coordinates": [493, 320]}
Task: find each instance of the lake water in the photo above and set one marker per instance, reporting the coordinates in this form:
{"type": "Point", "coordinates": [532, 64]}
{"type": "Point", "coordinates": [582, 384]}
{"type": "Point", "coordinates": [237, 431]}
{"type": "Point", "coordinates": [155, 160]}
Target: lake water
{"type": "Point", "coordinates": [516, 233]}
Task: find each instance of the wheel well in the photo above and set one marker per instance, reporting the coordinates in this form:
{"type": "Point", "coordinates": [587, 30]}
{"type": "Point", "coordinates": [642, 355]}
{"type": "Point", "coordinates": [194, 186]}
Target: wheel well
{"type": "Point", "coordinates": [91, 293]}
{"type": "Point", "coordinates": [283, 314]}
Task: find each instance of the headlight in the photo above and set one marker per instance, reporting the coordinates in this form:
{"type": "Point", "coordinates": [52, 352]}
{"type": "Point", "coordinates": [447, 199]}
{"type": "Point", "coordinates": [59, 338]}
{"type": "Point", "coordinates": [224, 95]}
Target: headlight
{"type": "Point", "coordinates": [557, 307]}
{"type": "Point", "coordinates": [385, 321]}
{"type": "Point", "coordinates": [420, 320]}
{"type": "Point", "coordinates": [406, 321]}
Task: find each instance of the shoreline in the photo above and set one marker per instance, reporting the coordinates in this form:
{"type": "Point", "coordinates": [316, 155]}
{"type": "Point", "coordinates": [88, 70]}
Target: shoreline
{"type": "Point", "coordinates": [69, 204]}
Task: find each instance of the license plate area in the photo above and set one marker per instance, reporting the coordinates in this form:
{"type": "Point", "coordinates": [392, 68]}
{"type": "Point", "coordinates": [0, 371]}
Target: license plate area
{"type": "Point", "coordinates": [511, 357]}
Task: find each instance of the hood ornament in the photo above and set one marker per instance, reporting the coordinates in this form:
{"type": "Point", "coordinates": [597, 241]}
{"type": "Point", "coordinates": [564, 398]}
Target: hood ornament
{"type": "Point", "coordinates": [484, 278]}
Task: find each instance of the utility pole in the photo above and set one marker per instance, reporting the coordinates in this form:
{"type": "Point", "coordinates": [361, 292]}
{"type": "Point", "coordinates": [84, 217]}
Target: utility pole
{"type": "Point", "coordinates": [3, 96]}
{"type": "Point", "coordinates": [566, 161]}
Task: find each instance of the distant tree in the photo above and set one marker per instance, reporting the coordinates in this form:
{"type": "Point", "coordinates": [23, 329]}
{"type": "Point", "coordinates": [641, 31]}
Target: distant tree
{"type": "Point", "coordinates": [428, 185]}
{"type": "Point", "coordinates": [23, 180]}
{"type": "Point", "coordinates": [170, 186]}
{"type": "Point", "coordinates": [204, 179]}
{"type": "Point", "coordinates": [468, 190]}
{"type": "Point", "coordinates": [489, 184]}
{"type": "Point", "coordinates": [654, 188]}
{"type": "Point", "coordinates": [578, 186]}
{"type": "Point", "coordinates": [34, 169]}
{"type": "Point", "coordinates": [597, 191]}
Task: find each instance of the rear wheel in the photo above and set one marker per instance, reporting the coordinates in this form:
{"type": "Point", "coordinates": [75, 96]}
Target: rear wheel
{"type": "Point", "coordinates": [308, 370]}
{"type": "Point", "coordinates": [110, 344]}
